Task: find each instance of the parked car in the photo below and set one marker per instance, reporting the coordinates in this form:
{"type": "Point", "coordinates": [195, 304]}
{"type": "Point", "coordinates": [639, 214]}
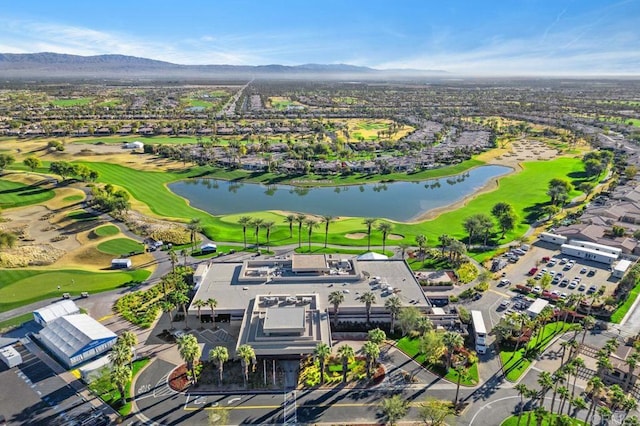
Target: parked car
{"type": "Point", "coordinates": [504, 304]}
{"type": "Point", "coordinates": [533, 271]}
{"type": "Point", "coordinates": [536, 290]}
{"type": "Point", "coordinates": [582, 287]}
{"type": "Point", "coordinates": [504, 282]}
{"type": "Point", "coordinates": [572, 285]}
{"type": "Point", "coordinates": [583, 270]}
{"type": "Point", "coordinates": [552, 262]}
{"type": "Point", "coordinates": [591, 272]}
{"type": "Point", "coordinates": [592, 289]}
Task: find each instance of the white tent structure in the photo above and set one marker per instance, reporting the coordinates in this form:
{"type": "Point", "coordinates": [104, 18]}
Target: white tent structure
{"type": "Point", "coordinates": [44, 316]}
{"type": "Point", "coordinates": [76, 338]}
{"type": "Point", "coordinates": [372, 256]}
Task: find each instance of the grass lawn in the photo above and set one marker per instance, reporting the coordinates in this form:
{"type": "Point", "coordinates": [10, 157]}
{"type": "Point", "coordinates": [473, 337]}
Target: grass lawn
{"type": "Point", "coordinates": [72, 198]}
{"type": "Point", "coordinates": [119, 246]}
{"type": "Point", "coordinates": [549, 420]}
{"type": "Point", "coordinates": [15, 321]}
{"type": "Point", "coordinates": [19, 287]}
{"type": "Point", "coordinates": [411, 347]}
{"type": "Point", "coordinates": [71, 102]}
{"type": "Point", "coordinates": [81, 216]}
{"type": "Point", "coordinates": [514, 363]}
{"type": "Point", "coordinates": [150, 189]}
{"type": "Point", "coordinates": [13, 194]}
{"type": "Point", "coordinates": [106, 231]}
{"type": "Point", "coordinates": [113, 397]}
{"type": "Point", "coordinates": [622, 310]}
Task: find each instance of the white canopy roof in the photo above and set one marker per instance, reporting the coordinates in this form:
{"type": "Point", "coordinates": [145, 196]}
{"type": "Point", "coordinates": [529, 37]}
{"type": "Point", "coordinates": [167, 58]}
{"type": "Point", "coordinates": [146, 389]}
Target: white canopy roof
{"type": "Point", "coordinates": [57, 310]}
{"type": "Point", "coordinates": [70, 334]}
{"type": "Point", "coordinates": [372, 256]}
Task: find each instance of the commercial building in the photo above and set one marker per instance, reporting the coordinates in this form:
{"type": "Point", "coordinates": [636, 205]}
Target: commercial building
{"type": "Point", "coordinates": [282, 303]}
{"type": "Point", "coordinates": [621, 268]}
{"type": "Point", "coordinates": [74, 339]}
{"type": "Point", "coordinates": [537, 307]}
{"type": "Point", "coordinates": [44, 316]}
{"type": "Point", "coordinates": [591, 251]}
{"type": "Point", "coordinates": [548, 237]}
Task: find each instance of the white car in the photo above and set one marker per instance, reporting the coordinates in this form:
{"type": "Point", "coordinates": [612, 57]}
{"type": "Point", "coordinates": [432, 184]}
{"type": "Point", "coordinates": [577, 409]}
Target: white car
{"type": "Point", "coordinates": [536, 290]}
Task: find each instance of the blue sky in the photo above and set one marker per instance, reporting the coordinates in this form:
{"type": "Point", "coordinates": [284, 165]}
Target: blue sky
{"type": "Point", "coordinates": [518, 37]}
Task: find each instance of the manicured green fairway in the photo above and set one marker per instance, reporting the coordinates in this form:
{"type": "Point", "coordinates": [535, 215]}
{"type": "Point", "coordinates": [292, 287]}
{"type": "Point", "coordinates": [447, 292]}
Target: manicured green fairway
{"type": "Point", "coordinates": [549, 420]}
{"type": "Point", "coordinates": [106, 231]}
{"type": "Point", "coordinates": [119, 246]}
{"type": "Point", "coordinates": [19, 287]}
{"type": "Point", "coordinates": [525, 191]}
{"type": "Point", "coordinates": [13, 194]}
{"type": "Point", "coordinates": [71, 102]}
{"type": "Point", "coordinates": [72, 198]}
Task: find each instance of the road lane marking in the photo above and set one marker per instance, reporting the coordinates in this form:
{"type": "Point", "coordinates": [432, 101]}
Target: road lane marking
{"type": "Point", "coordinates": [271, 407]}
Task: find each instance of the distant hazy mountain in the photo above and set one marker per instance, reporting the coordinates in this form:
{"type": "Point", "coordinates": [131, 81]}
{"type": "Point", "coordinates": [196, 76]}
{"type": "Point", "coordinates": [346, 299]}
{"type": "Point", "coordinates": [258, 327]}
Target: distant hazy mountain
{"type": "Point", "coordinates": [54, 65]}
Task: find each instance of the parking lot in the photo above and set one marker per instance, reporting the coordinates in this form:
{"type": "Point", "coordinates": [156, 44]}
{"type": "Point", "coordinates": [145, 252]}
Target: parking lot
{"type": "Point", "coordinates": [569, 275]}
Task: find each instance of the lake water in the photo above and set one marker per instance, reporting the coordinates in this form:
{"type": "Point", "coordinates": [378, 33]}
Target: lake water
{"type": "Point", "coordinates": [401, 201]}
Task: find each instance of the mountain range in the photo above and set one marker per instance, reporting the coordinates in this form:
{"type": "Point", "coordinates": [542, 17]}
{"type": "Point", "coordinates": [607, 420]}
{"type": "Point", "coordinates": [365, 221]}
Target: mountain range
{"type": "Point", "coordinates": [48, 65]}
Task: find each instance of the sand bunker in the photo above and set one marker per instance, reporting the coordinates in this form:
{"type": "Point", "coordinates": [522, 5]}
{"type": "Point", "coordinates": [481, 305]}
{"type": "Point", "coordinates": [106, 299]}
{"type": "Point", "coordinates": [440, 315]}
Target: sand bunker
{"type": "Point", "coordinates": [356, 236]}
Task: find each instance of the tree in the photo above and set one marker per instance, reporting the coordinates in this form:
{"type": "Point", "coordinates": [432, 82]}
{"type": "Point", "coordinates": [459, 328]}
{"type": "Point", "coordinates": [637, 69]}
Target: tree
{"type": "Point", "coordinates": [311, 224]}
{"type": "Point", "coordinates": [245, 221]}
{"type": "Point", "coordinates": [190, 352]}
{"type": "Point", "coordinates": [257, 223]}
{"type": "Point", "coordinates": [424, 324]}
{"type": "Point", "coordinates": [336, 298]}
{"type": "Point", "coordinates": [212, 303]}
{"type": "Point", "coordinates": [120, 354]}
{"type": "Point", "coordinates": [408, 319]}
{"type": "Point", "coordinates": [546, 383]}
{"type": "Point", "coordinates": [120, 377]}
{"type": "Point", "coordinates": [434, 411]}
{"type": "Point", "coordinates": [5, 161]}
{"type": "Point", "coordinates": [290, 219]}
{"type": "Point", "coordinates": [368, 298]}
{"type": "Point", "coordinates": [219, 355]}
{"type": "Point", "coordinates": [346, 354]}
{"type": "Point", "coordinates": [579, 404]}
{"type": "Point", "coordinates": [432, 347]}
{"type": "Point", "coordinates": [540, 413]}
{"type": "Point", "coordinates": [505, 215]}
{"type": "Point", "coordinates": [321, 354]}
{"type": "Point", "coordinates": [369, 222]}
{"type": "Point", "coordinates": [523, 390]}
{"type": "Point", "coordinates": [168, 307]}
{"type": "Point", "coordinates": [558, 190]}
{"type": "Point", "coordinates": [385, 228]}
{"type": "Point", "coordinates": [129, 340]}
{"type": "Point", "coordinates": [595, 387]}
{"type": "Point", "coordinates": [194, 226]}
{"type": "Point", "coordinates": [61, 168]}
{"type": "Point", "coordinates": [376, 336]}
{"type": "Point", "coordinates": [632, 362]}
{"type": "Point", "coordinates": [199, 304]}
{"type": "Point", "coordinates": [32, 163]}
{"type": "Point", "coordinates": [181, 299]}
{"type": "Point", "coordinates": [300, 218]}
{"type": "Point", "coordinates": [371, 352]}
{"type": "Point", "coordinates": [421, 241]}
{"type": "Point", "coordinates": [247, 356]}
{"type": "Point", "coordinates": [394, 408]}
{"type": "Point", "coordinates": [472, 225]}
{"type": "Point", "coordinates": [268, 227]}
{"type": "Point", "coordinates": [393, 305]}
{"type": "Point", "coordinates": [445, 241]}
{"type": "Point", "coordinates": [173, 258]}
{"type": "Point", "coordinates": [452, 340]}
{"type": "Point", "coordinates": [327, 221]}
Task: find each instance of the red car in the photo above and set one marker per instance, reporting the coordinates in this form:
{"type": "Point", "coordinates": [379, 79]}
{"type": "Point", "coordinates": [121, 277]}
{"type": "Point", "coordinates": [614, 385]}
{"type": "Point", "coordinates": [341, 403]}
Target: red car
{"type": "Point", "coordinates": [533, 271]}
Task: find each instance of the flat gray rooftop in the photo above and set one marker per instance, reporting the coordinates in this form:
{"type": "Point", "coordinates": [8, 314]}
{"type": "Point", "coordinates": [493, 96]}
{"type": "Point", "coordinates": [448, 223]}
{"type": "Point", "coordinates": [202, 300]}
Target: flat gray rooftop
{"type": "Point", "coordinates": [222, 283]}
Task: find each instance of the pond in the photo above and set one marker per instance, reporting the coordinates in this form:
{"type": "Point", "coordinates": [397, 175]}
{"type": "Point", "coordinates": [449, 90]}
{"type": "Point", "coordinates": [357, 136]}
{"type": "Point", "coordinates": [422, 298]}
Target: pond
{"type": "Point", "coordinates": [400, 201]}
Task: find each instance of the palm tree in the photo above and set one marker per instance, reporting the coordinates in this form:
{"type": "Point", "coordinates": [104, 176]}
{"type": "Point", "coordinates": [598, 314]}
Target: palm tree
{"type": "Point", "coordinates": [184, 254]}
{"type": "Point", "coordinates": [369, 222]}
{"type": "Point", "coordinates": [605, 414]}
{"type": "Point", "coordinates": [604, 365]}
{"type": "Point", "coordinates": [421, 241]}
{"type": "Point", "coordinates": [577, 364]}
{"type": "Point", "coordinates": [245, 221]}
{"type": "Point", "coordinates": [631, 421]}
{"type": "Point", "coordinates": [336, 298]}
{"type": "Point", "coordinates": [346, 354]}
{"type": "Point", "coordinates": [587, 323]}
{"type": "Point", "coordinates": [452, 341]}
{"type": "Point", "coordinates": [247, 356]}
{"type": "Point", "coordinates": [579, 404]}
{"type": "Point", "coordinates": [290, 219]}
{"type": "Point", "coordinates": [257, 223]}
{"type": "Point", "coordinates": [461, 370]}
{"type": "Point", "coordinates": [393, 305]}
{"type": "Point", "coordinates": [199, 304]}
{"type": "Point", "coordinates": [564, 394]}
{"type": "Point", "coordinates": [376, 336]}
{"type": "Point", "coordinates": [168, 307]}
{"type": "Point", "coordinates": [522, 391]}
{"type": "Point", "coordinates": [540, 414]}
{"type": "Point", "coordinates": [557, 378]}
{"type": "Point", "coordinates": [300, 218]}
{"type": "Point", "coordinates": [321, 353]}
{"type": "Point", "coordinates": [212, 303]}
{"type": "Point", "coordinates": [194, 228]}
{"type": "Point", "coordinates": [372, 352]}
{"type": "Point", "coordinates": [310, 223]}
{"type": "Point", "coordinates": [403, 248]}
{"type": "Point", "coordinates": [130, 340]}
{"type": "Point", "coordinates": [632, 362]}
{"type": "Point", "coordinates": [173, 258]}
{"type": "Point", "coordinates": [424, 324]}
{"type": "Point", "coordinates": [190, 352]}
{"type": "Point", "coordinates": [385, 228]}
{"type": "Point", "coordinates": [368, 298]}
{"type": "Point", "coordinates": [445, 241]}
{"type": "Point", "coordinates": [595, 387]}
{"type": "Point", "coordinates": [546, 382]}
{"type": "Point", "coordinates": [327, 221]}
{"type": "Point", "coordinates": [268, 226]}
{"type": "Point", "coordinates": [120, 354]}
{"type": "Point", "coordinates": [183, 300]}
{"type": "Point", "coordinates": [543, 317]}
{"type": "Point", "coordinates": [120, 375]}
{"type": "Point", "coordinates": [220, 355]}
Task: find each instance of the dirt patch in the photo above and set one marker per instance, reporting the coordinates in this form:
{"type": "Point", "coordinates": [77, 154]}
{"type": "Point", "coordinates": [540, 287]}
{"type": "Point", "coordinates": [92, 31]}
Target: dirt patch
{"type": "Point", "coordinates": [30, 255]}
{"type": "Point", "coordinates": [395, 237]}
{"type": "Point", "coordinates": [356, 236]}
